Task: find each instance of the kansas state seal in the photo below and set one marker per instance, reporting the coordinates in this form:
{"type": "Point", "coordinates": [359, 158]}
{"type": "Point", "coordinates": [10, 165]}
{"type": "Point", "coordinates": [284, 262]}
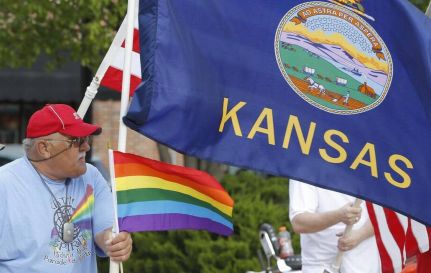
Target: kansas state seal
{"type": "Point", "coordinates": [332, 57]}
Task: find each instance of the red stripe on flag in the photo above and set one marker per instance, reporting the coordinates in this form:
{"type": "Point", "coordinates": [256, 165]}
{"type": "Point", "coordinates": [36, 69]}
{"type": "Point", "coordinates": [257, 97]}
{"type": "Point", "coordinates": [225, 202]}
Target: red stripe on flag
{"type": "Point", "coordinates": [385, 258]}
{"type": "Point", "coordinates": [424, 262]}
{"type": "Point", "coordinates": [397, 230]}
{"type": "Point", "coordinates": [409, 239]}
{"type": "Point", "coordinates": [136, 47]}
{"type": "Point", "coordinates": [166, 169]}
{"type": "Point", "coordinates": [412, 247]}
{"type": "Point", "coordinates": [113, 79]}
{"type": "Point", "coordinates": [424, 259]}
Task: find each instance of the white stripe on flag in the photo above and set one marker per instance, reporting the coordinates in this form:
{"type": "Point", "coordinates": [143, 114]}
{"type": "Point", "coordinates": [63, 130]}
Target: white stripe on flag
{"type": "Point", "coordinates": [115, 57]}
{"type": "Point", "coordinates": [421, 234]}
{"type": "Point", "coordinates": [404, 221]}
{"type": "Point", "coordinates": [388, 239]}
{"type": "Point", "coordinates": [414, 242]}
{"type": "Point", "coordinates": [118, 62]}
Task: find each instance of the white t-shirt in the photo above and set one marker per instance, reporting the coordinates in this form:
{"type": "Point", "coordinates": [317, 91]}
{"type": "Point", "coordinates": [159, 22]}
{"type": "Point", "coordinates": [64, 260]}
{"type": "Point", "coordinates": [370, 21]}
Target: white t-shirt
{"type": "Point", "coordinates": [320, 249]}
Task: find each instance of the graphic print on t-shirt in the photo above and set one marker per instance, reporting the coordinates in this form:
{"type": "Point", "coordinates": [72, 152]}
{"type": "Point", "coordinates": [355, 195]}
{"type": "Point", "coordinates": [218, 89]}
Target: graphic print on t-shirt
{"type": "Point", "coordinates": [63, 253]}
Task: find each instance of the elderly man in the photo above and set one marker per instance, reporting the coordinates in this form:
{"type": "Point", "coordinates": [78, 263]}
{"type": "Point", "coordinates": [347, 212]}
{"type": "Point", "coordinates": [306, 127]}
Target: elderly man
{"type": "Point", "coordinates": [56, 211]}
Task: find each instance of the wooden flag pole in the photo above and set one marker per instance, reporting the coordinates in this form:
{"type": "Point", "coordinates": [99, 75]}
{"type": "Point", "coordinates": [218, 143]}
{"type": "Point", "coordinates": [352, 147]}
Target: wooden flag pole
{"type": "Point", "coordinates": [335, 267]}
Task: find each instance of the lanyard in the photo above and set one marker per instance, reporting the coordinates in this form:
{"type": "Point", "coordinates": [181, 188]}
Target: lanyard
{"type": "Point", "coordinates": [68, 229]}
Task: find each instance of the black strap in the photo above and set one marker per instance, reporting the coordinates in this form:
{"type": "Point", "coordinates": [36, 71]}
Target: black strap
{"type": "Point", "coordinates": [40, 160]}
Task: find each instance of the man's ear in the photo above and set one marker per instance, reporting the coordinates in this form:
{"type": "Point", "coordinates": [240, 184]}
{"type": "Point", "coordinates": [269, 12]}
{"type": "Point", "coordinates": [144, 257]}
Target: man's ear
{"type": "Point", "coordinates": [42, 149]}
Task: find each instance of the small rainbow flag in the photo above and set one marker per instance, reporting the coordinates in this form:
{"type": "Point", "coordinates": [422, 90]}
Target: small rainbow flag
{"type": "Point", "coordinates": [83, 210]}
{"type": "Point", "coordinates": [155, 196]}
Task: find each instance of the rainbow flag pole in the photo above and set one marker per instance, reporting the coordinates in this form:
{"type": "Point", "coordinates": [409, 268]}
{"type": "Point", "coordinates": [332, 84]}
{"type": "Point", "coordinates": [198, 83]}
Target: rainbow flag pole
{"type": "Point", "coordinates": [113, 188]}
{"type": "Point", "coordinates": [114, 267]}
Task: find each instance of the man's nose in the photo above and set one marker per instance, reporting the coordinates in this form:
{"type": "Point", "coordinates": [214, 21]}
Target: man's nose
{"type": "Point", "coordinates": [85, 147]}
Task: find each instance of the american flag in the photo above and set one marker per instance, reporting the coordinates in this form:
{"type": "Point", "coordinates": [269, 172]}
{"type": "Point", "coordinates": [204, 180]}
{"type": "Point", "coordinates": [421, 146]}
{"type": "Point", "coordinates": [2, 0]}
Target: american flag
{"type": "Point", "coordinates": [398, 237]}
{"type": "Point", "coordinates": [114, 74]}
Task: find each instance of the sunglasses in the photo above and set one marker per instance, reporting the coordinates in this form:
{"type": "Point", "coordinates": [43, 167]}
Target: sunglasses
{"type": "Point", "coordinates": [77, 141]}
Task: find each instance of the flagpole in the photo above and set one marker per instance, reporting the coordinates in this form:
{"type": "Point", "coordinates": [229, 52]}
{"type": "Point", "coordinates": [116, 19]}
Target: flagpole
{"type": "Point", "coordinates": [90, 93]}
{"type": "Point", "coordinates": [92, 89]}
{"type": "Point", "coordinates": [114, 267]}
{"type": "Point", "coordinates": [335, 267]}
{"type": "Point", "coordinates": [125, 91]}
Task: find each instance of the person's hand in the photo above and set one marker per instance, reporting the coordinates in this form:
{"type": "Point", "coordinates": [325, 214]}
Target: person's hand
{"type": "Point", "coordinates": [346, 243]}
{"type": "Point", "coordinates": [349, 214]}
{"type": "Point", "coordinates": [355, 237]}
{"type": "Point", "coordinates": [119, 248]}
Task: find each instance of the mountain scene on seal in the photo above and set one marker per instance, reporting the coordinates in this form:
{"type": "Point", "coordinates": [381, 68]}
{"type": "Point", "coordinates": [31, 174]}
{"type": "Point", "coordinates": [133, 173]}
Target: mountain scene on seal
{"type": "Point", "coordinates": [327, 73]}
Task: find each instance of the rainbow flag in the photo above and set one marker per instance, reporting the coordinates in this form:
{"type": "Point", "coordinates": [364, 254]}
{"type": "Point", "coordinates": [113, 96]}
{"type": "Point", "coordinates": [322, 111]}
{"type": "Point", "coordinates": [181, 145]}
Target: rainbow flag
{"type": "Point", "coordinates": [155, 196]}
{"type": "Point", "coordinates": [82, 213]}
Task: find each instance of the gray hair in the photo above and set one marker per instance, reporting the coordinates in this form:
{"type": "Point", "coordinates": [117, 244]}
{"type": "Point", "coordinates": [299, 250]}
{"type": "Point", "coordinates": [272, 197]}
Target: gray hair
{"type": "Point", "coordinates": [28, 144]}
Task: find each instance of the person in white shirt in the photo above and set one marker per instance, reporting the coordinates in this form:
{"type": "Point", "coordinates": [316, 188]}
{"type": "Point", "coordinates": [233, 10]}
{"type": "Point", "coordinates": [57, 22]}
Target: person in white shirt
{"type": "Point", "coordinates": [320, 216]}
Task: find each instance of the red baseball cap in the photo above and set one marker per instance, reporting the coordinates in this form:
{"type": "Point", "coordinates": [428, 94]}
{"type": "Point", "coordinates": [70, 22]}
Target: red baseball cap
{"type": "Point", "coordinates": [59, 118]}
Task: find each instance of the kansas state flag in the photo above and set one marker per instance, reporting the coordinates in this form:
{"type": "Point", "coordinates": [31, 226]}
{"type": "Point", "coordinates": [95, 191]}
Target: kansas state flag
{"type": "Point", "coordinates": [333, 92]}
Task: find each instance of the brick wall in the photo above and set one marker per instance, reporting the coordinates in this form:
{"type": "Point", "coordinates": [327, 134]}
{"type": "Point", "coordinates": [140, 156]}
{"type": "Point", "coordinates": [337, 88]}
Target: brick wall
{"type": "Point", "coordinates": [106, 114]}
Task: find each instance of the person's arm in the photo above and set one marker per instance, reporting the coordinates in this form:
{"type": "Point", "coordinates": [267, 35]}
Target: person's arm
{"type": "Point", "coordinates": [118, 248]}
{"type": "Point", "coordinates": [310, 222]}
{"type": "Point", "coordinates": [355, 237]}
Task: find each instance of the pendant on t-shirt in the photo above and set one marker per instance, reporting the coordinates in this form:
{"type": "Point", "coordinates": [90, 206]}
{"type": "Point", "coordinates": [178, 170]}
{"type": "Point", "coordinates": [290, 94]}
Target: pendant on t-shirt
{"type": "Point", "coordinates": [68, 230]}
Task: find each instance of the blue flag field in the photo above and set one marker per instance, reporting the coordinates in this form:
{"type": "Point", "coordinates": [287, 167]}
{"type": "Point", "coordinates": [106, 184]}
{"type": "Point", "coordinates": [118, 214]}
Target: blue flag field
{"type": "Point", "coordinates": [335, 93]}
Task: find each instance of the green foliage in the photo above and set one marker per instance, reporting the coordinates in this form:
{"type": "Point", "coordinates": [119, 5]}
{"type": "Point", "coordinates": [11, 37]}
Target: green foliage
{"type": "Point", "coordinates": [257, 200]}
{"type": "Point", "coordinates": [80, 30]}
{"type": "Point", "coordinates": [421, 4]}
{"type": "Point", "coordinates": [64, 30]}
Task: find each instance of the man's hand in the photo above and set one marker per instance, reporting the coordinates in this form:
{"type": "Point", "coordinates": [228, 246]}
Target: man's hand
{"type": "Point", "coordinates": [355, 237]}
{"type": "Point", "coordinates": [350, 215]}
{"type": "Point", "coordinates": [348, 242]}
{"type": "Point", "coordinates": [118, 248]}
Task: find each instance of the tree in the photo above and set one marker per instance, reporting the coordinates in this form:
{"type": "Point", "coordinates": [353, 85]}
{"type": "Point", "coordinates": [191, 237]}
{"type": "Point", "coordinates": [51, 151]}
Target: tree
{"type": "Point", "coordinates": [64, 30]}
{"type": "Point", "coordinates": [421, 4]}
